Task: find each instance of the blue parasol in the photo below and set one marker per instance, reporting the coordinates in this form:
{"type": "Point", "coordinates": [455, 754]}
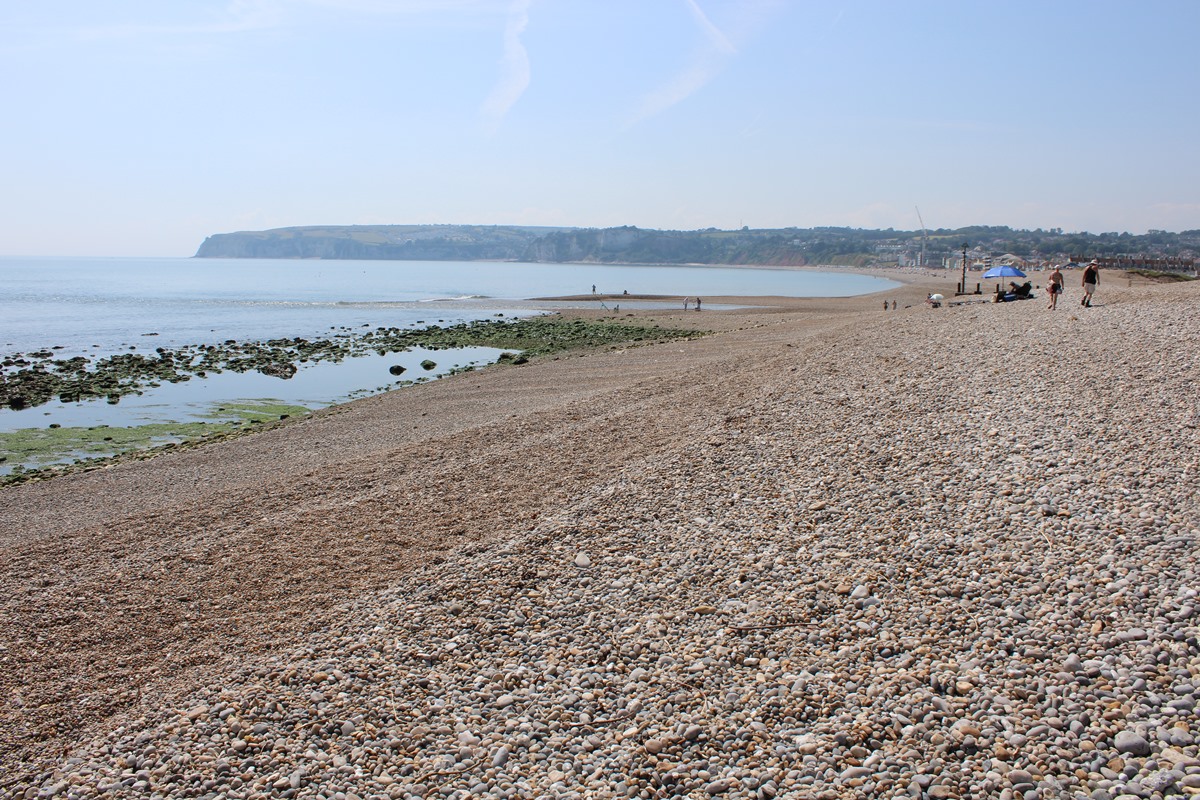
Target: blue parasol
{"type": "Point", "coordinates": [1003, 271]}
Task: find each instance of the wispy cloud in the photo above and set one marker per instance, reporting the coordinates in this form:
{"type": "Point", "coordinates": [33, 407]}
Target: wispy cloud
{"type": "Point", "coordinates": [719, 40]}
{"type": "Point", "coordinates": [710, 58]}
{"type": "Point", "coordinates": [514, 67]}
{"type": "Point", "coordinates": [841, 13]}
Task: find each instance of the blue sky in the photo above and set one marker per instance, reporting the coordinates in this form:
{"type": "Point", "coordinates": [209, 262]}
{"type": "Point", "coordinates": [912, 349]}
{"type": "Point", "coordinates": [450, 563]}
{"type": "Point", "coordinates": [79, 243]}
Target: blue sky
{"type": "Point", "coordinates": [138, 127]}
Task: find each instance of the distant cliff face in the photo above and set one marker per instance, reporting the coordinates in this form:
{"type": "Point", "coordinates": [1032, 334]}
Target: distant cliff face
{"type": "Point", "coordinates": [388, 242]}
{"type": "Point", "coordinates": [507, 243]}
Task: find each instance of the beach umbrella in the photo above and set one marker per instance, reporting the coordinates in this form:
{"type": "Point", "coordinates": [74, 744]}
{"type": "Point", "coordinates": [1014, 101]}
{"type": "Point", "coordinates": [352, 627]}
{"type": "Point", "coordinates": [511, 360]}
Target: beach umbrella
{"type": "Point", "coordinates": [1003, 271]}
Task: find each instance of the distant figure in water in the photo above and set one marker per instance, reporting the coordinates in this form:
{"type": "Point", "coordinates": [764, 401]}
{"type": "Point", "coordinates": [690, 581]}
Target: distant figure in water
{"type": "Point", "coordinates": [697, 303]}
{"type": "Point", "coordinates": [593, 288]}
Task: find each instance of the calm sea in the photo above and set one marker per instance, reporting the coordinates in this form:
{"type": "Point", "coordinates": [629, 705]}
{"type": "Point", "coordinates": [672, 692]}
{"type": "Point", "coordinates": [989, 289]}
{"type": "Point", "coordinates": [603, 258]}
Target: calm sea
{"type": "Point", "coordinates": [100, 306]}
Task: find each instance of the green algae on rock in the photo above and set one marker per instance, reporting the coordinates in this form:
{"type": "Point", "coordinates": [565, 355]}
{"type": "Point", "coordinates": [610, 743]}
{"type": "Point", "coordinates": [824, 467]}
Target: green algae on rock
{"type": "Point", "coordinates": [39, 451]}
{"type": "Point", "coordinates": [33, 379]}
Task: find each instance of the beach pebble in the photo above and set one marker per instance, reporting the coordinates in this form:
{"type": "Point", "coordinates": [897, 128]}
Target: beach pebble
{"type": "Point", "coordinates": [719, 786]}
{"type": "Point", "coordinates": [940, 629]}
{"type": "Point", "coordinates": [1131, 743]}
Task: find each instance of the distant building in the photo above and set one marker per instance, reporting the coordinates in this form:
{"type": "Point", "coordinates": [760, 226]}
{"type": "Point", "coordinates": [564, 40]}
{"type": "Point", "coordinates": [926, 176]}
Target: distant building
{"type": "Point", "coordinates": [1162, 264]}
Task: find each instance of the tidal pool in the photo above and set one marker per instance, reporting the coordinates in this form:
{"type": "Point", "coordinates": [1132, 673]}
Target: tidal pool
{"type": "Point", "coordinates": [219, 403]}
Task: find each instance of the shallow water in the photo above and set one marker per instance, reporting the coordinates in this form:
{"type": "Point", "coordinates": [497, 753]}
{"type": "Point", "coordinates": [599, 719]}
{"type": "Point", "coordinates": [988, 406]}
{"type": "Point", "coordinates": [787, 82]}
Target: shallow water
{"type": "Point", "coordinates": [315, 385]}
{"type": "Point", "coordinates": [99, 307]}
{"type": "Point", "coordinates": [105, 305]}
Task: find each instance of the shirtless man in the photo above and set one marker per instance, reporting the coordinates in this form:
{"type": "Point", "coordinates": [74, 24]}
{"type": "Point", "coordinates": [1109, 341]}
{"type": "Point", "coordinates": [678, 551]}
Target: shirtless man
{"type": "Point", "coordinates": [1056, 287]}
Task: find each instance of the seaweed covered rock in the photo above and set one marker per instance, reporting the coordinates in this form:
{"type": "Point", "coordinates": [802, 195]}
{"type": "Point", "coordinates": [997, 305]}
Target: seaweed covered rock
{"type": "Point", "coordinates": [284, 370]}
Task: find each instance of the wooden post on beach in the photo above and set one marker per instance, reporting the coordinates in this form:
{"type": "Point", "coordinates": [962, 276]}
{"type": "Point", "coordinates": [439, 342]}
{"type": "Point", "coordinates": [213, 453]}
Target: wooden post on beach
{"type": "Point", "coordinates": [962, 287]}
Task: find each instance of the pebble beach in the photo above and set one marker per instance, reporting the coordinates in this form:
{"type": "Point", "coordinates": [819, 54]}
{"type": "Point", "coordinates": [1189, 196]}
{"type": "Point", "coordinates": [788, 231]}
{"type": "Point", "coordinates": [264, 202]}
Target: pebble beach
{"type": "Point", "coordinates": [823, 551]}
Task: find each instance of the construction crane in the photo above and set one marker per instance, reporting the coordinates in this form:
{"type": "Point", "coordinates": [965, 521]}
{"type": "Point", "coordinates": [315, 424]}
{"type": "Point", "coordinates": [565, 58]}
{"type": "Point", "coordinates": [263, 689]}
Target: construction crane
{"type": "Point", "coordinates": [924, 235]}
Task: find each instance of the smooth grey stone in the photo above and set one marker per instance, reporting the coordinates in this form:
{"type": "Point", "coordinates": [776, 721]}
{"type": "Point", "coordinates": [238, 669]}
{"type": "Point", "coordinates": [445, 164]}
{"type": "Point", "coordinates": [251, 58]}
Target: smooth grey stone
{"type": "Point", "coordinates": [1130, 743]}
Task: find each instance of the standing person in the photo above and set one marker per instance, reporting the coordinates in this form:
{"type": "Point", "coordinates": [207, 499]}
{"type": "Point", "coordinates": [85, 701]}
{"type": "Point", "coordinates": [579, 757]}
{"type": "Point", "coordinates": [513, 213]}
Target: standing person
{"type": "Point", "coordinates": [1091, 278]}
{"type": "Point", "coordinates": [1055, 287]}
{"type": "Point", "coordinates": [697, 303]}
{"type": "Point", "coordinates": [686, 300]}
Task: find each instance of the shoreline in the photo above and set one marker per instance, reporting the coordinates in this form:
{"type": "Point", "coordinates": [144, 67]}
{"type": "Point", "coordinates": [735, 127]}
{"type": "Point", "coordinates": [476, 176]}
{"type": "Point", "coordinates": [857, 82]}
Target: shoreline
{"type": "Point", "coordinates": [804, 504]}
{"type": "Point", "coordinates": [277, 357]}
{"type": "Point", "coordinates": [36, 384]}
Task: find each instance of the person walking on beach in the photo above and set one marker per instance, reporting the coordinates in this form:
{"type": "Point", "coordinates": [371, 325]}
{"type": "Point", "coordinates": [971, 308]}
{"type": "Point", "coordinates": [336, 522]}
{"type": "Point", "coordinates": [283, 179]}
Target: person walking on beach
{"type": "Point", "coordinates": [1091, 278]}
{"type": "Point", "coordinates": [1055, 287]}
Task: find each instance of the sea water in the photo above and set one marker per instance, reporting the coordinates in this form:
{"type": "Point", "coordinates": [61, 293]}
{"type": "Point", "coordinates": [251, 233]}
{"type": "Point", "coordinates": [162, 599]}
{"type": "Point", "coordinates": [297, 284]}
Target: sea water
{"type": "Point", "coordinates": [85, 305]}
{"type": "Point", "coordinates": [102, 306]}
